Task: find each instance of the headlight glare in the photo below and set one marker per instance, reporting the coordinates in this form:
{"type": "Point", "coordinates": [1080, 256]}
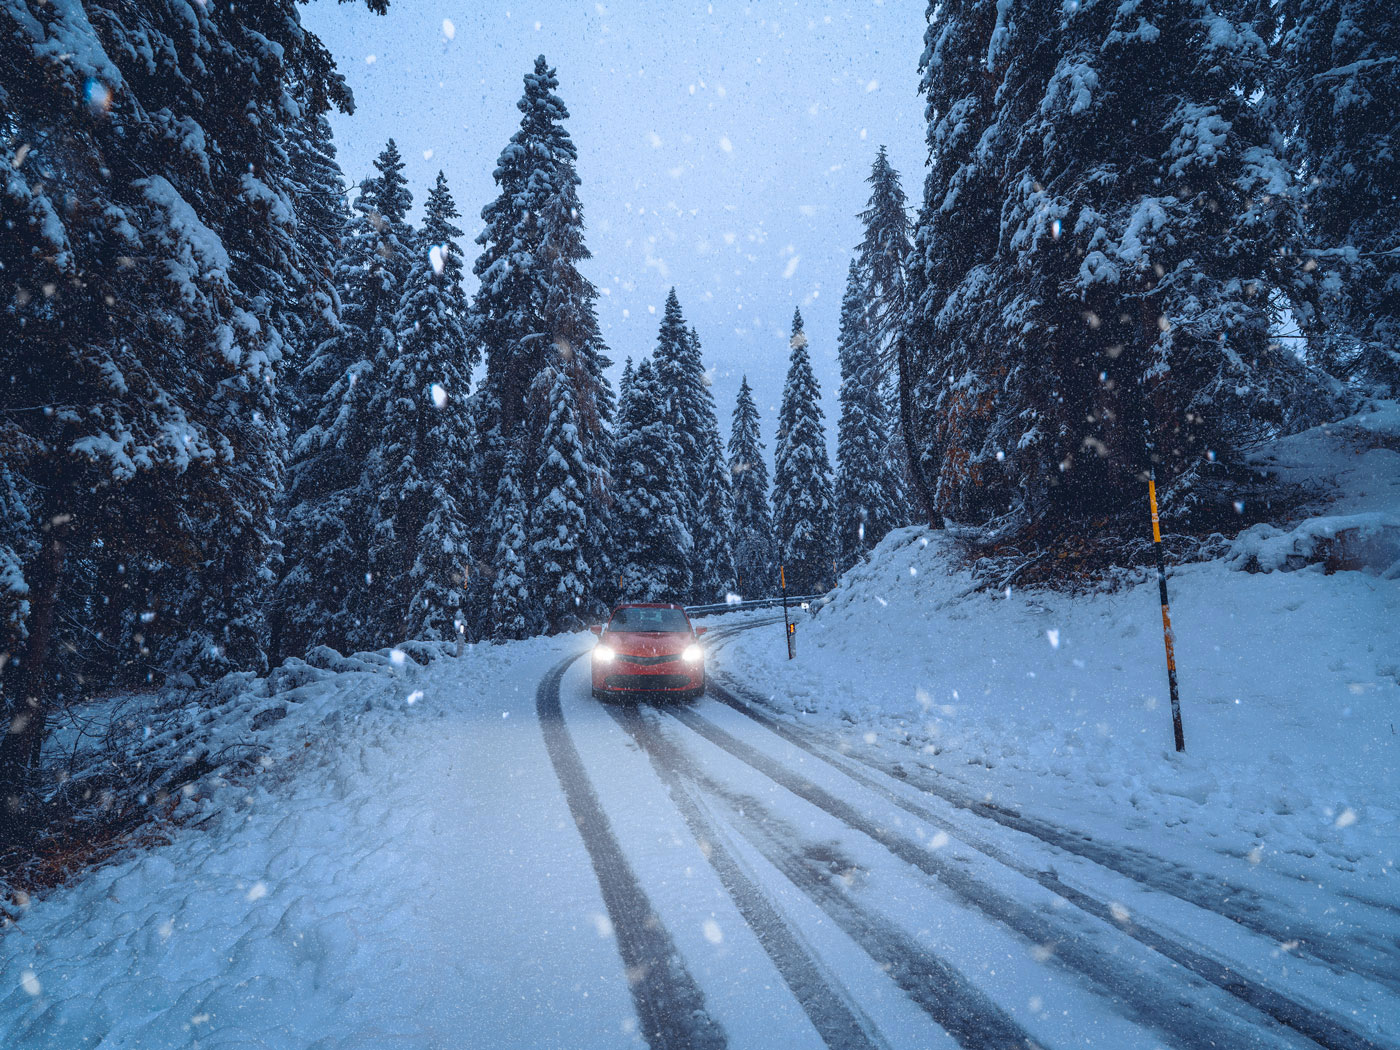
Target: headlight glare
{"type": "Point", "coordinates": [693, 654]}
{"type": "Point", "coordinates": [603, 654]}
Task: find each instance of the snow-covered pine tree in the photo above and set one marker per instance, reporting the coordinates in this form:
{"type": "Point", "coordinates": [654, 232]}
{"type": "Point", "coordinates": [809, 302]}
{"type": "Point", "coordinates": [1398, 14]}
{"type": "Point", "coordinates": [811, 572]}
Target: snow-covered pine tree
{"type": "Point", "coordinates": [751, 536]}
{"type": "Point", "coordinates": [868, 491]}
{"type": "Point", "coordinates": [327, 596]}
{"type": "Point", "coordinates": [945, 365]}
{"type": "Point", "coordinates": [424, 460]}
{"type": "Point", "coordinates": [322, 211]}
{"type": "Point", "coordinates": [1132, 273]}
{"type": "Point", "coordinates": [512, 611]}
{"type": "Point", "coordinates": [558, 530]}
{"type": "Point", "coordinates": [679, 379]}
{"type": "Point", "coordinates": [648, 509]}
{"type": "Point", "coordinates": [1337, 87]}
{"type": "Point", "coordinates": [509, 305]}
{"type": "Point", "coordinates": [533, 302]}
{"type": "Point", "coordinates": [690, 410]}
{"type": "Point", "coordinates": [149, 242]}
{"type": "Point", "coordinates": [577, 346]}
{"type": "Point", "coordinates": [802, 498]}
{"type": "Point", "coordinates": [883, 258]}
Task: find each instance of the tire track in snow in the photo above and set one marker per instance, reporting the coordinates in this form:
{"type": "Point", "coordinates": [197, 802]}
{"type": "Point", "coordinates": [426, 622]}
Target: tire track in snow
{"type": "Point", "coordinates": [670, 1005]}
{"type": "Point", "coordinates": [1241, 906]}
{"type": "Point", "coordinates": [1322, 1029]}
{"type": "Point", "coordinates": [956, 1005]}
{"type": "Point", "coordinates": [839, 1021]}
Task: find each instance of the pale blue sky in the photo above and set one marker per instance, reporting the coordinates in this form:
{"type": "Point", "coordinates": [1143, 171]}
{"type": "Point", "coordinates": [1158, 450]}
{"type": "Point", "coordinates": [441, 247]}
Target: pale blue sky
{"type": "Point", "coordinates": [723, 148]}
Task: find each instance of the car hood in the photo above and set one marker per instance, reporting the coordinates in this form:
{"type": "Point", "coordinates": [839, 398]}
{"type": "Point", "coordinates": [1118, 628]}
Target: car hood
{"type": "Point", "coordinates": [648, 643]}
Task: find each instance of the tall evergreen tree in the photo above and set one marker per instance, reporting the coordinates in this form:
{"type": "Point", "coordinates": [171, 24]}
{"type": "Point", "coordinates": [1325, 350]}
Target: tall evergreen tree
{"type": "Point", "coordinates": [679, 378]}
{"type": "Point", "coordinates": [512, 614]}
{"type": "Point", "coordinates": [1130, 275]}
{"type": "Point", "coordinates": [882, 258]}
{"type": "Point", "coordinates": [714, 574]}
{"type": "Point", "coordinates": [649, 507]}
{"type": "Point", "coordinates": [752, 531]}
{"type": "Point", "coordinates": [942, 386]}
{"type": "Point", "coordinates": [318, 192]}
{"type": "Point", "coordinates": [534, 306]}
{"type": "Point", "coordinates": [558, 531]}
{"type": "Point", "coordinates": [150, 259]}
{"type": "Point", "coordinates": [803, 507]}
{"type": "Point", "coordinates": [328, 595]}
{"type": "Point", "coordinates": [423, 463]}
{"type": "Point", "coordinates": [532, 173]}
{"type": "Point", "coordinates": [1337, 85]}
{"type": "Point", "coordinates": [704, 488]}
{"type": "Point", "coordinates": [868, 492]}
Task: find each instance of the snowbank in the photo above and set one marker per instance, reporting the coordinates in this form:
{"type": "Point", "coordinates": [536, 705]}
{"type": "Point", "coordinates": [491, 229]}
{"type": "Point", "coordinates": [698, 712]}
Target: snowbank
{"type": "Point", "coordinates": [1339, 541]}
{"type": "Point", "coordinates": [355, 892]}
{"type": "Point", "coordinates": [1290, 684]}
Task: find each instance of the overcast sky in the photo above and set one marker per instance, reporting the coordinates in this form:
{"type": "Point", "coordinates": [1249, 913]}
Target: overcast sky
{"type": "Point", "coordinates": [723, 148]}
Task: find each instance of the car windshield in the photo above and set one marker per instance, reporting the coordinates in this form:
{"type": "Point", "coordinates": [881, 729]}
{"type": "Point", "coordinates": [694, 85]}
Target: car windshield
{"type": "Point", "coordinates": [634, 619]}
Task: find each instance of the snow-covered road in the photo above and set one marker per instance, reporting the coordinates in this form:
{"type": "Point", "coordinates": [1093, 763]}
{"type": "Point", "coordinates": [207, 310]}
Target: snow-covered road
{"type": "Point", "coordinates": [476, 853]}
{"type": "Point", "coordinates": [890, 911]}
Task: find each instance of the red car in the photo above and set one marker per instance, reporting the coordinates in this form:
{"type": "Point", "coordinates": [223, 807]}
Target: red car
{"type": "Point", "coordinates": [648, 648]}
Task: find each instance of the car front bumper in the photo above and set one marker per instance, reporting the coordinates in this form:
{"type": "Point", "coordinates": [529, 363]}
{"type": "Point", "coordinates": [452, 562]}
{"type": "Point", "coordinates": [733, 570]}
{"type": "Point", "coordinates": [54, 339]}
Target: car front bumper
{"type": "Point", "coordinates": [620, 677]}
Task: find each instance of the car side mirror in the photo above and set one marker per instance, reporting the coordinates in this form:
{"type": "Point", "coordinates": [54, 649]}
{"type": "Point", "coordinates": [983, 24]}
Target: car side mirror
{"type": "Point", "coordinates": [597, 628]}
{"type": "Point", "coordinates": [700, 630]}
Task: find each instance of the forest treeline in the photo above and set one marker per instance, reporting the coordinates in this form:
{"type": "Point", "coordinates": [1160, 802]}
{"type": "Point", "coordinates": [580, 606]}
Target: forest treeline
{"type": "Point", "coordinates": [244, 413]}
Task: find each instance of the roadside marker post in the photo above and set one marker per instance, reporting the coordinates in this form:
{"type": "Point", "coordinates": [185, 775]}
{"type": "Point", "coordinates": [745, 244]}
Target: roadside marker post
{"type": "Point", "coordinates": [1168, 635]}
{"type": "Point", "coordinates": [791, 628]}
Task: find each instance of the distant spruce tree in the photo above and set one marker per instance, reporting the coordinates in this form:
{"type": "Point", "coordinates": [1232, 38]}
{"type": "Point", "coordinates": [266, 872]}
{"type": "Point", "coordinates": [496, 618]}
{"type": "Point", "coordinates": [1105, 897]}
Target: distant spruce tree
{"type": "Point", "coordinates": [558, 530]}
{"type": "Point", "coordinates": [690, 410]}
{"type": "Point", "coordinates": [512, 610]}
{"type": "Point", "coordinates": [1335, 87]}
{"type": "Point", "coordinates": [680, 386]}
{"type": "Point", "coordinates": [649, 509]}
{"type": "Point", "coordinates": [882, 258]}
{"type": "Point", "coordinates": [802, 497]}
{"type": "Point", "coordinates": [868, 493]}
{"type": "Point", "coordinates": [318, 192]}
{"type": "Point", "coordinates": [424, 460]}
{"type": "Point", "coordinates": [751, 534]}
{"type": "Point", "coordinates": [1077, 283]}
{"type": "Point", "coordinates": [328, 594]}
{"type": "Point", "coordinates": [714, 573]}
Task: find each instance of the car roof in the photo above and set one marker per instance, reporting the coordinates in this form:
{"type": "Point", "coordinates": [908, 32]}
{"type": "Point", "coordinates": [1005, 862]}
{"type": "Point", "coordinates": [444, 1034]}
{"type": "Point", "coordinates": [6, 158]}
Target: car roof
{"type": "Point", "coordinates": [648, 605]}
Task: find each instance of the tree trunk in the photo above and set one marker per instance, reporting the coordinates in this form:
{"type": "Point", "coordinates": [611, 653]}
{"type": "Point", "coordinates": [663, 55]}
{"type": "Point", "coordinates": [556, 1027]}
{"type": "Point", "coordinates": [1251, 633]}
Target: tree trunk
{"type": "Point", "coordinates": [20, 747]}
{"type": "Point", "coordinates": [911, 433]}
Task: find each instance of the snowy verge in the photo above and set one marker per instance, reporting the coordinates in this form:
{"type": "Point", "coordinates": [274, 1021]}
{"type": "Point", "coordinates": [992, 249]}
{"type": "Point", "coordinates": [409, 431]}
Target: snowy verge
{"type": "Point", "coordinates": [1057, 704]}
{"type": "Point", "coordinates": [400, 868]}
{"type": "Point", "coordinates": [124, 766]}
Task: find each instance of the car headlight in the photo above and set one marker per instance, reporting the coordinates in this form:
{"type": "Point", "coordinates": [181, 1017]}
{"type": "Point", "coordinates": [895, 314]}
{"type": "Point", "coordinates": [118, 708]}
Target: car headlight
{"type": "Point", "coordinates": [603, 654]}
{"type": "Point", "coordinates": [693, 654]}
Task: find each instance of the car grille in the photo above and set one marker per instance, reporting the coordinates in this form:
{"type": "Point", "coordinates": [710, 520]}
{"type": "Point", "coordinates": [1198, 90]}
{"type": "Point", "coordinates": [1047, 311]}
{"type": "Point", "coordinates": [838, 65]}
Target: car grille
{"type": "Point", "coordinates": [649, 661]}
{"type": "Point", "coordinates": [647, 681]}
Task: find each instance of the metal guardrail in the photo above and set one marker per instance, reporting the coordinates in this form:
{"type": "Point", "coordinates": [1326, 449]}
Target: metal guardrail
{"type": "Point", "coordinates": [755, 603]}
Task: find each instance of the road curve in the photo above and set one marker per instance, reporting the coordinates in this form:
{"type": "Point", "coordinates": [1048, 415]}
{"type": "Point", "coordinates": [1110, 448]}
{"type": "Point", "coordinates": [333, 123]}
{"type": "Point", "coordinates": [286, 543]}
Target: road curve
{"type": "Point", "coordinates": [1144, 975]}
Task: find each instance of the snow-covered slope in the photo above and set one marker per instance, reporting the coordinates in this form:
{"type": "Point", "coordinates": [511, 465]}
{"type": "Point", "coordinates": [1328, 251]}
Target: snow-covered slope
{"type": "Point", "coordinates": [398, 875]}
{"type": "Point", "coordinates": [1058, 704]}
